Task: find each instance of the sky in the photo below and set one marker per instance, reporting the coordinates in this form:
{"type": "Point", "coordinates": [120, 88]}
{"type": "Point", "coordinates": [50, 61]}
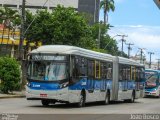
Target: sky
{"type": "Point", "coordinates": [140, 21]}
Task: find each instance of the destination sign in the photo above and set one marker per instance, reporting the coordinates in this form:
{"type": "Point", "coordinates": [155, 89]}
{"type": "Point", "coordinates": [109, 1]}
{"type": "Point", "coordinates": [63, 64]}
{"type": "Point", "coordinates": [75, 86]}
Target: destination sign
{"type": "Point", "coordinates": [47, 57]}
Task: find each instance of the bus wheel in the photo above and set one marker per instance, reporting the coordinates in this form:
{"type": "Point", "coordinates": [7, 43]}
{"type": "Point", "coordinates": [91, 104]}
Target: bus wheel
{"type": "Point", "coordinates": [45, 102]}
{"type": "Point", "coordinates": [81, 102]}
{"type": "Point", "coordinates": [107, 99]}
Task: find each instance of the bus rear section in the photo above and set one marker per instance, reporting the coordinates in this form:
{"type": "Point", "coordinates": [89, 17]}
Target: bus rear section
{"type": "Point", "coordinates": [152, 83]}
{"type": "Point", "coordinates": [128, 79]}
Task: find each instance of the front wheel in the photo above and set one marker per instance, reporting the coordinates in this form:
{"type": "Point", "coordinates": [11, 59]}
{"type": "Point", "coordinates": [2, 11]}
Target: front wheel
{"type": "Point", "coordinates": [45, 102]}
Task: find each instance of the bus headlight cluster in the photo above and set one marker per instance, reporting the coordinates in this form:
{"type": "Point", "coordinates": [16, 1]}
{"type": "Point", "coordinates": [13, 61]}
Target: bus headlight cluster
{"type": "Point", "coordinates": [64, 85]}
{"type": "Point", "coordinates": [28, 84]}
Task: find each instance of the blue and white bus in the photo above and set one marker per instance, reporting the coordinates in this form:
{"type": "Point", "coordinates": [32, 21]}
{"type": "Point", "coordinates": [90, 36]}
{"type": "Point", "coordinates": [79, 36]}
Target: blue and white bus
{"type": "Point", "coordinates": [68, 74]}
{"type": "Point", "coordinates": [152, 86]}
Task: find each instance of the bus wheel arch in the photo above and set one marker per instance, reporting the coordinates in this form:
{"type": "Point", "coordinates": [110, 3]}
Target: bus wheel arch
{"type": "Point", "coordinates": [82, 99]}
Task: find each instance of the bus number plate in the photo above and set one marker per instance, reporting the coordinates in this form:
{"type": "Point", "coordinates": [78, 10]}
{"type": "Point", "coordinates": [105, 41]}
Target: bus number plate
{"type": "Point", "coordinates": [43, 95]}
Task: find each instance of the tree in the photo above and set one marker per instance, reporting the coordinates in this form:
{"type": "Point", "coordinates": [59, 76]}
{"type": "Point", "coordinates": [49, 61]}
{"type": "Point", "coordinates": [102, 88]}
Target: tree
{"type": "Point", "coordinates": [107, 5]}
{"type": "Point", "coordinates": [61, 26]}
{"type": "Point", "coordinates": [9, 74]}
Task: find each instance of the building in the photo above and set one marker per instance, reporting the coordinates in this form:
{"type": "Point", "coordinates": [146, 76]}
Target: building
{"type": "Point", "coordinates": [9, 42]}
{"type": "Point", "coordinates": [90, 7]}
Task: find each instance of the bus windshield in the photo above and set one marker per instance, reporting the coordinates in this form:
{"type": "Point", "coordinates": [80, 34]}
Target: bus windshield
{"type": "Point", "coordinates": [49, 70]}
{"type": "Point", "coordinates": [151, 79]}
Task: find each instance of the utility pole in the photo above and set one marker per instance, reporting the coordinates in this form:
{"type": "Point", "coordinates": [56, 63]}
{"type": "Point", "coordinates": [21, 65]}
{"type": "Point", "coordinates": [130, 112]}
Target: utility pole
{"type": "Point", "coordinates": [123, 40]}
{"type": "Point", "coordinates": [129, 48]}
{"type": "Point", "coordinates": [20, 49]}
{"type": "Point", "coordinates": [150, 53]}
{"type": "Point", "coordinates": [141, 53]}
{"type": "Point", "coordinates": [99, 35]}
{"type": "Point", "coordinates": [158, 64]}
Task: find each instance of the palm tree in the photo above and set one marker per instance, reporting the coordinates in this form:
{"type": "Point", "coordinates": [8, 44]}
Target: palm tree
{"type": "Point", "coordinates": [107, 5]}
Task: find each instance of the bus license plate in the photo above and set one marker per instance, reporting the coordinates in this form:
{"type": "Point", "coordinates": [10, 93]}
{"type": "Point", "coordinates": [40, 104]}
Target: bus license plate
{"type": "Point", "coordinates": [43, 95]}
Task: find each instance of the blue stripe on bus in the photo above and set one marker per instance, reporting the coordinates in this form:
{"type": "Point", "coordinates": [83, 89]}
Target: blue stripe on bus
{"type": "Point", "coordinates": [44, 86]}
{"type": "Point", "coordinates": [84, 84]}
{"type": "Point", "coordinates": [92, 84]}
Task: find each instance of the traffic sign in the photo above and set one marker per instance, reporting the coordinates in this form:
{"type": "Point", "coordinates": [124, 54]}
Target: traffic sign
{"type": "Point", "coordinates": [157, 3]}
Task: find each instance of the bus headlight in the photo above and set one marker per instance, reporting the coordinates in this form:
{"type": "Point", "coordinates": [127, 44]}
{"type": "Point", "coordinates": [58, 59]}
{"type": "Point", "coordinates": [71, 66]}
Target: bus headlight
{"type": "Point", "coordinates": [28, 84]}
{"type": "Point", "coordinates": [63, 85]}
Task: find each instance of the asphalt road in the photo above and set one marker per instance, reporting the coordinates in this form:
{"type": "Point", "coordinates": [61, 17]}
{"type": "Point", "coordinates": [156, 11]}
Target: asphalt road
{"type": "Point", "coordinates": [97, 111]}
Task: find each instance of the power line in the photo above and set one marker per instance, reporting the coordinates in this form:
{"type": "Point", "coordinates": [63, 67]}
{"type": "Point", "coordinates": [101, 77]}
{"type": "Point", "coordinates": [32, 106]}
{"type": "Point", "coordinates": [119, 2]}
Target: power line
{"type": "Point", "coordinates": [22, 32]}
{"type": "Point", "coordinates": [34, 18]}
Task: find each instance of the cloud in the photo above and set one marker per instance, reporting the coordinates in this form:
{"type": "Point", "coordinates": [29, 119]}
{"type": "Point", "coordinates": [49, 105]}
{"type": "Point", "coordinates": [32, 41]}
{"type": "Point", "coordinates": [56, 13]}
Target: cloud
{"type": "Point", "coordinates": [147, 37]}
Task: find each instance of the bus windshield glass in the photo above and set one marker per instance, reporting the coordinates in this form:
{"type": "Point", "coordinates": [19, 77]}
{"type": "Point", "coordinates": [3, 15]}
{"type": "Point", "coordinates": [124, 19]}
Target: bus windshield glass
{"type": "Point", "coordinates": [49, 70]}
{"type": "Point", "coordinates": [151, 78]}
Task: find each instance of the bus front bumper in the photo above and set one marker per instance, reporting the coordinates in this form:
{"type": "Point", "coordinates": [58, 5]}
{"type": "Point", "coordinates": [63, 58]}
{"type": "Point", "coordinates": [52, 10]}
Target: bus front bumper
{"type": "Point", "coordinates": [154, 93]}
{"type": "Point", "coordinates": [57, 95]}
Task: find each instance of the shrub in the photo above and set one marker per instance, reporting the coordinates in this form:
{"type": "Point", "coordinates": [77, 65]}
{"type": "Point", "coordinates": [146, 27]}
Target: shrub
{"type": "Point", "coordinates": [9, 74]}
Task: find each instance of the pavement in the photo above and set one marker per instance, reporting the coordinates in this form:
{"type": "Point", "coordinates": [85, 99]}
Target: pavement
{"type": "Point", "coordinates": [14, 94]}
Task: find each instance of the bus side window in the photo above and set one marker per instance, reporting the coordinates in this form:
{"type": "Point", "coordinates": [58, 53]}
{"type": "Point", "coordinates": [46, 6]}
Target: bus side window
{"type": "Point", "coordinates": [133, 73]}
{"type": "Point", "coordinates": [83, 67]}
{"type": "Point", "coordinates": [120, 72]}
{"type": "Point", "coordinates": [109, 71]}
{"type": "Point", "coordinates": [103, 70]}
{"type": "Point", "coordinates": [75, 71]}
{"type": "Point", "coordinates": [128, 73]}
{"type": "Point", "coordinates": [90, 68]}
{"type": "Point", "coordinates": [97, 69]}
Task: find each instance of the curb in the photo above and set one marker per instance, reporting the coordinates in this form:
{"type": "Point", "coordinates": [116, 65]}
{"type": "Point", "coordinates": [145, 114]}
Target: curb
{"type": "Point", "coordinates": [12, 96]}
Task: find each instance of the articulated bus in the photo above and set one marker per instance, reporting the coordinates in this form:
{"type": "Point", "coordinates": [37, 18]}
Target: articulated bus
{"type": "Point", "coordinates": [152, 86]}
{"type": "Point", "coordinates": [68, 74]}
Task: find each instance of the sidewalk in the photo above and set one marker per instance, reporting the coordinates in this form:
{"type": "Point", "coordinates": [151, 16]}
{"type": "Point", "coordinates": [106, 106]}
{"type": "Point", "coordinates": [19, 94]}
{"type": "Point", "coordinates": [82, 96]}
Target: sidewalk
{"type": "Point", "coordinates": [15, 94]}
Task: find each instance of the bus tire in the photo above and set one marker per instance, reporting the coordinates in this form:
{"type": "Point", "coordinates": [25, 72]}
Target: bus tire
{"type": "Point", "coordinates": [81, 102]}
{"type": "Point", "coordinates": [107, 99]}
{"type": "Point", "coordinates": [45, 102]}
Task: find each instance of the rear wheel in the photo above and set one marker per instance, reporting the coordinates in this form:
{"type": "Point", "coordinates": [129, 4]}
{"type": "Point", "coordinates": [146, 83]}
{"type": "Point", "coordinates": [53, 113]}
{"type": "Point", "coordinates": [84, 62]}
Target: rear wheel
{"type": "Point", "coordinates": [45, 102]}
